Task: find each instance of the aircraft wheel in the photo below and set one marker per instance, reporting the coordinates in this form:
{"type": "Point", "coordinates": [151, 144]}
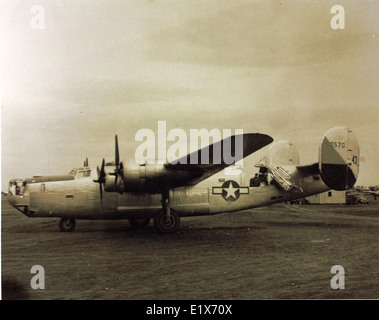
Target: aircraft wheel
{"type": "Point", "coordinates": [164, 226]}
{"type": "Point", "coordinates": [67, 225]}
{"type": "Point", "coordinates": [139, 223]}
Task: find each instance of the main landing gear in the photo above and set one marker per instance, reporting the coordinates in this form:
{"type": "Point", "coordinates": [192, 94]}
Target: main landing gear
{"type": "Point", "coordinates": [67, 225]}
{"type": "Point", "coordinates": [166, 224]}
{"type": "Point", "coordinates": [166, 220]}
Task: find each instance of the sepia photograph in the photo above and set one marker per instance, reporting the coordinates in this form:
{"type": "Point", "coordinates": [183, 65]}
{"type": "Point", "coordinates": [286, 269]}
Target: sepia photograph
{"type": "Point", "coordinates": [200, 150]}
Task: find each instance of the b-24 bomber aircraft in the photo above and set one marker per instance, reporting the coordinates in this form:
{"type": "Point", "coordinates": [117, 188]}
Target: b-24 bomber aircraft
{"type": "Point", "coordinates": [166, 192]}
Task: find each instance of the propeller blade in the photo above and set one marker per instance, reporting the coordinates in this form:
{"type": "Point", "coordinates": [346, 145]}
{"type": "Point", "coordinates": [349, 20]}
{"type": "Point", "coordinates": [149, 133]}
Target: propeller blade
{"type": "Point", "coordinates": [101, 195]}
{"type": "Point", "coordinates": [121, 170]}
{"type": "Point", "coordinates": [100, 173]}
{"type": "Point", "coordinates": [101, 177]}
{"type": "Point", "coordinates": [117, 155]}
{"type": "Point", "coordinates": [100, 180]}
{"type": "Point", "coordinates": [118, 172]}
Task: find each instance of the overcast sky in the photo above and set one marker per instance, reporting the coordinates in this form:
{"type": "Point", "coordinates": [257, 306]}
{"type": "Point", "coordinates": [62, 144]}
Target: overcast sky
{"type": "Point", "coordinates": [104, 67]}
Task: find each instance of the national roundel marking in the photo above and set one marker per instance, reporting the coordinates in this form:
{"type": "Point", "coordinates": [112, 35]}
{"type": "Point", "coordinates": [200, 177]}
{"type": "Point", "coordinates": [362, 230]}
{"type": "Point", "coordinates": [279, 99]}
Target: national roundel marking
{"type": "Point", "coordinates": [230, 190]}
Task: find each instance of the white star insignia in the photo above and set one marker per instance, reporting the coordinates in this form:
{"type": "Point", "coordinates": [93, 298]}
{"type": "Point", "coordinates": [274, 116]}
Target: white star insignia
{"type": "Point", "coordinates": [231, 192]}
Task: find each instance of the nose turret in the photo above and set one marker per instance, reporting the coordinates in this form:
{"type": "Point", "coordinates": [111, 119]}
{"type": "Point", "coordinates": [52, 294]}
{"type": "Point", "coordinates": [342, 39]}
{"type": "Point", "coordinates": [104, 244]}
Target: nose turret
{"type": "Point", "coordinates": [16, 190]}
{"type": "Point", "coordinates": [16, 187]}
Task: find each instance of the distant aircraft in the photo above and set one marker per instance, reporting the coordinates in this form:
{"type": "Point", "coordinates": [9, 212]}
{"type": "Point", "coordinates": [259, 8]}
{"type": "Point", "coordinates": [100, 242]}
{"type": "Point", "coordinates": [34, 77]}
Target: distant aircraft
{"type": "Point", "coordinates": [373, 190]}
{"type": "Point", "coordinates": [168, 192]}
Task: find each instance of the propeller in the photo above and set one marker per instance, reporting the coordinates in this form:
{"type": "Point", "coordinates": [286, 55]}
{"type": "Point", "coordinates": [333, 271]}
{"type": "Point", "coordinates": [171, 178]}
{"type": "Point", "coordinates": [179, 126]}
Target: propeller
{"type": "Point", "coordinates": [118, 173]}
{"type": "Point", "coordinates": [101, 178]}
{"type": "Point", "coordinates": [85, 164]}
{"type": "Point", "coordinates": [119, 170]}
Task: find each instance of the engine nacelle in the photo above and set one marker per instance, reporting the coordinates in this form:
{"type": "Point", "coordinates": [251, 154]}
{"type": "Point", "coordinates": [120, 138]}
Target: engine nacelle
{"type": "Point", "coordinates": [143, 178]}
{"type": "Point", "coordinates": [136, 177]}
{"type": "Point", "coordinates": [111, 185]}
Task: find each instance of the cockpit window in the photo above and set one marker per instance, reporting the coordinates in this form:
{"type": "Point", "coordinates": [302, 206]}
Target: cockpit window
{"type": "Point", "coordinates": [72, 172]}
{"type": "Point", "coordinates": [79, 173]}
{"type": "Point", "coordinates": [84, 173]}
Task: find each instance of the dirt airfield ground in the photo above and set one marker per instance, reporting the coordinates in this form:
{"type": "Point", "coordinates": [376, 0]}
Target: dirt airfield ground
{"type": "Point", "coordinates": [277, 252]}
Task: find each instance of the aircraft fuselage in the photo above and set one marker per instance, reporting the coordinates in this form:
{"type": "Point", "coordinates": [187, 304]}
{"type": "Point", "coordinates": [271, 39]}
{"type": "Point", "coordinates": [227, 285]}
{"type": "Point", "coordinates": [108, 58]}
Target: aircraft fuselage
{"type": "Point", "coordinates": [166, 192]}
{"type": "Point", "coordinates": [79, 198]}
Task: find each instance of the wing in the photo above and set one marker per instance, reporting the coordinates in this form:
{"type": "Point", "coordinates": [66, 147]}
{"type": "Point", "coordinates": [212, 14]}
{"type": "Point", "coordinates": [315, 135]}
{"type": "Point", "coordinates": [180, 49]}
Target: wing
{"type": "Point", "coordinates": [185, 171]}
{"type": "Point", "coordinates": [218, 156]}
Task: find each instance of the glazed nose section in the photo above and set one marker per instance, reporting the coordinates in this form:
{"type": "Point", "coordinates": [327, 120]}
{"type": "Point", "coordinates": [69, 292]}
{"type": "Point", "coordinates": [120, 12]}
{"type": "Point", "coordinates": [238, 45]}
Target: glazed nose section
{"type": "Point", "coordinates": [16, 189]}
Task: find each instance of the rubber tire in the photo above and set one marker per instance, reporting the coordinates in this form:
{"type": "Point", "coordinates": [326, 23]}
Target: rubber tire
{"type": "Point", "coordinates": [67, 225]}
{"type": "Point", "coordinates": [139, 223]}
{"type": "Point", "coordinates": [161, 224]}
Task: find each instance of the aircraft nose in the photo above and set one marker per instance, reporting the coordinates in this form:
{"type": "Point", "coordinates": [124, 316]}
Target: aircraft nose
{"type": "Point", "coordinates": [16, 187]}
{"type": "Point", "coordinates": [16, 196]}
{"type": "Point", "coordinates": [11, 200]}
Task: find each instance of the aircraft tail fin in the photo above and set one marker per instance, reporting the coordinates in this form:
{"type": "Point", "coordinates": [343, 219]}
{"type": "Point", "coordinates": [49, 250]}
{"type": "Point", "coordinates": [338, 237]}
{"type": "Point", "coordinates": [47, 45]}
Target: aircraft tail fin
{"type": "Point", "coordinates": [281, 153]}
{"type": "Point", "coordinates": [339, 158]}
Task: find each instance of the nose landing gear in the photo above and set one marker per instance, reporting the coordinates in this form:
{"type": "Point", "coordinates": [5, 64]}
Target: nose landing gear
{"type": "Point", "coordinates": [67, 225]}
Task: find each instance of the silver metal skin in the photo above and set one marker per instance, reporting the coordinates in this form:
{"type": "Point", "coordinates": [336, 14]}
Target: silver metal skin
{"type": "Point", "coordinates": [168, 192]}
